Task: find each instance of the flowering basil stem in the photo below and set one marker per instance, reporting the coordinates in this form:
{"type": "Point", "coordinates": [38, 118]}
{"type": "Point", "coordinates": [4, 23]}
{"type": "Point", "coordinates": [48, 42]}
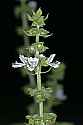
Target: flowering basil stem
{"type": "Point", "coordinates": [34, 64]}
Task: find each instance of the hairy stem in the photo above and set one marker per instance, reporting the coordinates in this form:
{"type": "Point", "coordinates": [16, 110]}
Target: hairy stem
{"type": "Point", "coordinates": [39, 88]}
{"type": "Point", "coordinates": [39, 79]}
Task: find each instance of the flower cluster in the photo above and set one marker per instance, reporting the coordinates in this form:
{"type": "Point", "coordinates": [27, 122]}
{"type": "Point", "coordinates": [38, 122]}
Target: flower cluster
{"type": "Point", "coordinates": [37, 18]}
{"type": "Point", "coordinates": [31, 63]}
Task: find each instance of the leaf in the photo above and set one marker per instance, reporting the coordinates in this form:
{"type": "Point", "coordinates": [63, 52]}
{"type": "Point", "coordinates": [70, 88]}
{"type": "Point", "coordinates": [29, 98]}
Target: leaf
{"type": "Point", "coordinates": [46, 17]}
{"type": "Point", "coordinates": [29, 17]}
{"type": "Point", "coordinates": [35, 31]}
{"type": "Point", "coordinates": [39, 12]}
{"type": "Point", "coordinates": [43, 32]}
{"type": "Point", "coordinates": [39, 46]}
{"type": "Point", "coordinates": [37, 18]}
{"type": "Point", "coordinates": [44, 62]}
{"type": "Point", "coordinates": [33, 13]}
{"type": "Point", "coordinates": [38, 22]}
{"type": "Point", "coordinates": [29, 91]}
{"type": "Point", "coordinates": [31, 32]}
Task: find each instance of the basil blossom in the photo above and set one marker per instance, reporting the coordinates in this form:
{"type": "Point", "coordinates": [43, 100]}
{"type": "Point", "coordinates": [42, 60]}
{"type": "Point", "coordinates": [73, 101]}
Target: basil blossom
{"type": "Point", "coordinates": [53, 64]}
{"type": "Point", "coordinates": [30, 62]}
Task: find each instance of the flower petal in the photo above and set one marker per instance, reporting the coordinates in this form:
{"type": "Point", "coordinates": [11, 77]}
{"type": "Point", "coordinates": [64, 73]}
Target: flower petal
{"type": "Point", "coordinates": [33, 61]}
{"type": "Point", "coordinates": [55, 65]}
{"type": "Point", "coordinates": [30, 68]}
{"type": "Point", "coordinates": [50, 59]}
{"type": "Point", "coordinates": [23, 59]}
{"type": "Point", "coordinates": [17, 65]}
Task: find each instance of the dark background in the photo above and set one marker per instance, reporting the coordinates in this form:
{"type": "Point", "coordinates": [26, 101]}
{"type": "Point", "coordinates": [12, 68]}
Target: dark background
{"type": "Point", "coordinates": [66, 23]}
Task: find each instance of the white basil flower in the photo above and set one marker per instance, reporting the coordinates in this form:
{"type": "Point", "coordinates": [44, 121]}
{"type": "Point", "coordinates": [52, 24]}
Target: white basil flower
{"type": "Point", "coordinates": [31, 63]}
{"type": "Point", "coordinates": [17, 65]}
{"type": "Point", "coordinates": [23, 60]}
{"type": "Point", "coordinates": [53, 64]}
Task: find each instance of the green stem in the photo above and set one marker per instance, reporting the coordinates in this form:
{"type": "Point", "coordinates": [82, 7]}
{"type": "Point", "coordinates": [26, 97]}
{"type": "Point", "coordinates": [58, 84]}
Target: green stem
{"type": "Point", "coordinates": [39, 79]}
{"type": "Point", "coordinates": [39, 88]}
{"type": "Point", "coordinates": [37, 38]}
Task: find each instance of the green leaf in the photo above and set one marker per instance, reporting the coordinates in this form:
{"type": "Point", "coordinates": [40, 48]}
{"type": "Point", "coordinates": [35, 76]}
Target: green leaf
{"type": "Point", "coordinates": [46, 17]}
{"type": "Point", "coordinates": [39, 12]}
{"type": "Point", "coordinates": [43, 32]}
{"type": "Point", "coordinates": [33, 13]}
{"type": "Point", "coordinates": [36, 15]}
{"type": "Point", "coordinates": [38, 46]}
{"type": "Point", "coordinates": [38, 22]}
{"type": "Point", "coordinates": [29, 17]}
{"type": "Point", "coordinates": [31, 32]}
{"type": "Point", "coordinates": [35, 31]}
{"type": "Point", "coordinates": [37, 18]}
{"type": "Point", "coordinates": [44, 62]}
{"type": "Point", "coordinates": [29, 91]}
